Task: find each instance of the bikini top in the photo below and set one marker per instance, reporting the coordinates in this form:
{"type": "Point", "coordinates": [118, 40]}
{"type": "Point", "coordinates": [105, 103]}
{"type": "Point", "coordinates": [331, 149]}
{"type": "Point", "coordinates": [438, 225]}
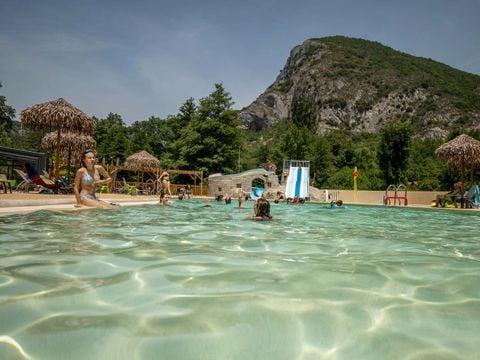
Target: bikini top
{"type": "Point", "coordinates": [87, 179]}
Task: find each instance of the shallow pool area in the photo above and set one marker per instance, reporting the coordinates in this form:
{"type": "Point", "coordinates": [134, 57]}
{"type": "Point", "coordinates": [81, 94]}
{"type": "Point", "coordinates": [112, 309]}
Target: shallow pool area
{"type": "Point", "coordinates": [192, 282]}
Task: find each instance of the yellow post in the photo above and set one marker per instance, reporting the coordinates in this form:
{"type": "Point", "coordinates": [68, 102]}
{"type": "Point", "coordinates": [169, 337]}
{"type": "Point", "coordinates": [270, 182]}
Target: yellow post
{"type": "Point", "coordinates": [355, 175]}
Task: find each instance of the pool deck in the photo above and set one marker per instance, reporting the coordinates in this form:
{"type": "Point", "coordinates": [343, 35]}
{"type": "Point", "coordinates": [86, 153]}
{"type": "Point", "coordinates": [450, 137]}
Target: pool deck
{"type": "Point", "coordinates": [22, 203]}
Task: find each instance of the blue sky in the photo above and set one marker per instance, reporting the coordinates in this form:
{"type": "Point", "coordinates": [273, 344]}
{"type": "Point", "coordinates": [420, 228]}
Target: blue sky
{"type": "Point", "coordinates": [142, 58]}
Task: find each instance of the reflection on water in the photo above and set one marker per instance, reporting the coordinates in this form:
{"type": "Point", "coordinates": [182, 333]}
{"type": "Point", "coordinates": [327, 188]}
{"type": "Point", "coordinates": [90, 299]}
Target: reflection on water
{"type": "Point", "coordinates": [188, 282]}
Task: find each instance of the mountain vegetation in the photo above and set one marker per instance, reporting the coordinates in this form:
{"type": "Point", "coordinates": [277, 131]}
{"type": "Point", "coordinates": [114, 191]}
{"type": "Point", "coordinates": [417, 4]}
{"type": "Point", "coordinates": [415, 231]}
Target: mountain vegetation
{"type": "Point", "coordinates": [339, 103]}
{"type": "Point", "coordinates": [360, 86]}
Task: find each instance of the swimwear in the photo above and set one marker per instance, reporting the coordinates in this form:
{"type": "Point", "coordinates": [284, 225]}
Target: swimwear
{"type": "Point", "coordinates": [88, 196]}
{"type": "Point", "coordinates": [87, 179]}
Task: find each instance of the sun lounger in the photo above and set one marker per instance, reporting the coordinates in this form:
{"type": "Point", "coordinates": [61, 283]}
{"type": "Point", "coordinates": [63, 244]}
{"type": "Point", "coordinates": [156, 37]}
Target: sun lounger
{"type": "Point", "coordinates": [39, 179]}
{"type": "Point", "coordinates": [59, 186]}
{"type": "Point", "coordinates": [5, 184]}
{"type": "Point", "coordinates": [26, 184]}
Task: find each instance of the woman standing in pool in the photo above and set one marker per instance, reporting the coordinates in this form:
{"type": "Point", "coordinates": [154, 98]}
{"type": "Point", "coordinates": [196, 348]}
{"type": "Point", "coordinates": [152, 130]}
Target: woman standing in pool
{"type": "Point", "coordinates": [188, 192]}
{"type": "Point", "coordinates": [164, 180]}
{"type": "Point", "coordinates": [87, 179]}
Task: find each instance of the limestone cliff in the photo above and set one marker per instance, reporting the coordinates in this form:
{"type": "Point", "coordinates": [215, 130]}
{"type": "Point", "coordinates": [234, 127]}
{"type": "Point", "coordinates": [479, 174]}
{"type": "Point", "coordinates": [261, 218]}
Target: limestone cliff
{"type": "Point", "coordinates": [360, 85]}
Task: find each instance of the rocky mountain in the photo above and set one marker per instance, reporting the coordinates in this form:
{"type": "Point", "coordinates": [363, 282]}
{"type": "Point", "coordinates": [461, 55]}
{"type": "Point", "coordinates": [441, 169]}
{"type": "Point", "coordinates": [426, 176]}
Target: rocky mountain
{"type": "Point", "coordinates": [361, 85]}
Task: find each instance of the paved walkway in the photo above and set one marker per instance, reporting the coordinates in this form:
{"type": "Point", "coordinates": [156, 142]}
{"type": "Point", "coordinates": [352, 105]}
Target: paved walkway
{"type": "Point", "coordinates": [21, 203]}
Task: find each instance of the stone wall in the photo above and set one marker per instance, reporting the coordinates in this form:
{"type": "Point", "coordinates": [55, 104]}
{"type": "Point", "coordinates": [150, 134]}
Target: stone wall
{"type": "Point", "coordinates": [219, 184]}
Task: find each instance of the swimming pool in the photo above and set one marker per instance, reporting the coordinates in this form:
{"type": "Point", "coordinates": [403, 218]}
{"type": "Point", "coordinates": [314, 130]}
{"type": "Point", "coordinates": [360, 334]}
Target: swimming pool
{"type": "Point", "coordinates": [193, 282]}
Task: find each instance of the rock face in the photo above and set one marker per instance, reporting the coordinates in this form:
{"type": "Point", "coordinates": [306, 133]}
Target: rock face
{"type": "Point", "coordinates": [361, 85]}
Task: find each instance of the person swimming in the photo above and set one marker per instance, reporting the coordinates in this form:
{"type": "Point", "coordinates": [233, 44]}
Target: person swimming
{"type": "Point", "coordinates": [261, 208]}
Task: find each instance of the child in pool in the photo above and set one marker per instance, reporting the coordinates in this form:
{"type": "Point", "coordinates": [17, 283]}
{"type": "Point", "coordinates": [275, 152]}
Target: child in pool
{"type": "Point", "coordinates": [164, 198]}
{"type": "Point", "coordinates": [338, 205]}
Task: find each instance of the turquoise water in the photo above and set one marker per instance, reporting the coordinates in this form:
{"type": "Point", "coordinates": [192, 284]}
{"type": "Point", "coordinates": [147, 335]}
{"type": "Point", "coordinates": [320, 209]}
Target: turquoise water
{"type": "Point", "coordinates": [188, 282]}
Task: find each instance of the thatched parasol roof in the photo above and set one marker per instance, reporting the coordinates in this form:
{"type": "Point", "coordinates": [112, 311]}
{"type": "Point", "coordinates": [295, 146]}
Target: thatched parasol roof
{"type": "Point", "coordinates": [142, 161]}
{"type": "Point", "coordinates": [460, 152]}
{"type": "Point", "coordinates": [57, 114]}
{"type": "Point", "coordinates": [69, 142]}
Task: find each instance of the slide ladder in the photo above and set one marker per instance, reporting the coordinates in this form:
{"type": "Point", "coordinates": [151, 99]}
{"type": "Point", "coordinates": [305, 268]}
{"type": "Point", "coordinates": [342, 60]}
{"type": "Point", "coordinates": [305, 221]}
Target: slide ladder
{"type": "Point", "coordinates": [298, 182]}
{"type": "Point", "coordinates": [388, 197]}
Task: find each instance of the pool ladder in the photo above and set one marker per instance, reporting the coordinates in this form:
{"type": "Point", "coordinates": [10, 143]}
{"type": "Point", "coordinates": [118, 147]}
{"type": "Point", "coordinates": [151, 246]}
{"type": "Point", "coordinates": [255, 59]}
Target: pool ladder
{"type": "Point", "coordinates": [387, 198]}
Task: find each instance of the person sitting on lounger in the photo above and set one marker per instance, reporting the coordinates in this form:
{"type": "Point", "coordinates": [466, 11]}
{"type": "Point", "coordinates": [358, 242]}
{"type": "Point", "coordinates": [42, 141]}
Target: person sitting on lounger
{"type": "Point", "coordinates": [449, 198]}
{"type": "Point", "coordinates": [87, 179]}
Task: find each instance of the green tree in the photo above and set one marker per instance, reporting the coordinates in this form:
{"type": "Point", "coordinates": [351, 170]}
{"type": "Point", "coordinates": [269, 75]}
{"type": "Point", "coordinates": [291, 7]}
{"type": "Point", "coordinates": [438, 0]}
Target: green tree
{"type": "Point", "coordinates": [304, 112]}
{"type": "Point", "coordinates": [112, 140]}
{"type": "Point", "coordinates": [7, 114]}
{"type": "Point", "coordinates": [425, 170]}
{"type": "Point", "coordinates": [320, 161]}
{"type": "Point", "coordinates": [297, 137]}
{"type": "Point", "coordinates": [184, 116]}
{"type": "Point", "coordinates": [152, 135]}
{"type": "Point", "coordinates": [296, 142]}
{"type": "Point", "coordinates": [393, 153]}
{"type": "Point", "coordinates": [5, 138]}
{"type": "Point", "coordinates": [138, 136]}
{"type": "Point", "coordinates": [25, 139]}
{"type": "Point", "coordinates": [176, 126]}
{"type": "Point", "coordinates": [211, 140]}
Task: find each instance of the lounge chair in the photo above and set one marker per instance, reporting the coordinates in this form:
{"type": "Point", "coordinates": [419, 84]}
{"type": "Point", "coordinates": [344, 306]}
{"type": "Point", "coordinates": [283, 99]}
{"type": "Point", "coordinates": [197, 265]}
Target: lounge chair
{"type": "Point", "coordinates": [59, 186]}
{"type": "Point", "coordinates": [472, 197]}
{"type": "Point", "coordinates": [39, 179]}
{"type": "Point", "coordinates": [5, 183]}
{"type": "Point", "coordinates": [129, 189]}
{"type": "Point", "coordinates": [26, 184]}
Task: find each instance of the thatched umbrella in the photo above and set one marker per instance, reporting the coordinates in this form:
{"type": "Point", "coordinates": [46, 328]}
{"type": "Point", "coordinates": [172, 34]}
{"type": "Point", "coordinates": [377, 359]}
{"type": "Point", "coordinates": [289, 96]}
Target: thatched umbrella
{"type": "Point", "coordinates": [57, 115]}
{"type": "Point", "coordinates": [142, 161]}
{"type": "Point", "coordinates": [71, 144]}
{"type": "Point", "coordinates": [460, 152]}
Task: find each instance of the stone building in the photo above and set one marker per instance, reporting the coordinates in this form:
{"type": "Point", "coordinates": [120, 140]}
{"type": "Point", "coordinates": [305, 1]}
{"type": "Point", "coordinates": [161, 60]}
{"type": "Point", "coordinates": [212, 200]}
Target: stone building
{"type": "Point", "coordinates": [219, 184]}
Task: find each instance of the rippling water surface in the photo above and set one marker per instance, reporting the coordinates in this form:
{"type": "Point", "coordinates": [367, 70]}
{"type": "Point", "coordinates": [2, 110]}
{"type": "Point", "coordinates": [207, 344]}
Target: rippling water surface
{"type": "Point", "coordinates": [193, 282]}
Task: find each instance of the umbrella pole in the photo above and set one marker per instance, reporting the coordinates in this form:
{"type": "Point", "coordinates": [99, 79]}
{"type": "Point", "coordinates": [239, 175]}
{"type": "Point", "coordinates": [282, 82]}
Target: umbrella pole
{"type": "Point", "coordinates": [69, 159]}
{"type": "Point", "coordinates": [57, 155]}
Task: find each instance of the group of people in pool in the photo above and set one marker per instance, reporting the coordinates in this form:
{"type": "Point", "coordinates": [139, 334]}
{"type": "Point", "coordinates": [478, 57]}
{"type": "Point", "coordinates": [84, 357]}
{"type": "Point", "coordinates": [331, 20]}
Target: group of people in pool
{"type": "Point", "coordinates": [261, 208]}
{"type": "Point", "coordinates": [91, 175]}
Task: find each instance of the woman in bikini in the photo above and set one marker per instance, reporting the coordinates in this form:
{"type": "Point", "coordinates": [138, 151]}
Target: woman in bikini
{"type": "Point", "coordinates": [188, 192]}
{"type": "Point", "coordinates": [87, 179]}
{"type": "Point", "coordinates": [164, 181]}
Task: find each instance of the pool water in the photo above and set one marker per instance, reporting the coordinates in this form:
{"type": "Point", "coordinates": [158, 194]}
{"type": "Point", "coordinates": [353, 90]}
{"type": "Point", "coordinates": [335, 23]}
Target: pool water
{"type": "Point", "coordinates": [192, 282]}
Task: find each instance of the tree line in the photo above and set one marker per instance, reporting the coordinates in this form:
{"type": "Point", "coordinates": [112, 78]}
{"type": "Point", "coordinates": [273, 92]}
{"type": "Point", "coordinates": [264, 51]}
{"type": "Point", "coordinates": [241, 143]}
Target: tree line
{"type": "Point", "coordinates": [207, 135]}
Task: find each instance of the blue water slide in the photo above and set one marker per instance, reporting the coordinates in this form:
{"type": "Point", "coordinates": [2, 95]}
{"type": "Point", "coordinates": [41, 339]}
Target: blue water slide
{"type": "Point", "coordinates": [297, 182]}
{"type": "Point", "coordinates": [256, 192]}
